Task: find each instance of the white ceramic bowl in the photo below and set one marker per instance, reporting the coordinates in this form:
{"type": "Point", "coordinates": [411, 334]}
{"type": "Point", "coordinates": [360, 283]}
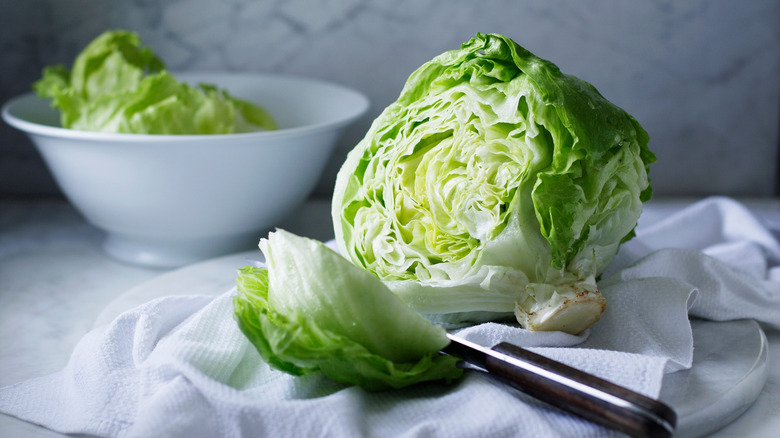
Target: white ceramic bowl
{"type": "Point", "coordinates": [168, 200]}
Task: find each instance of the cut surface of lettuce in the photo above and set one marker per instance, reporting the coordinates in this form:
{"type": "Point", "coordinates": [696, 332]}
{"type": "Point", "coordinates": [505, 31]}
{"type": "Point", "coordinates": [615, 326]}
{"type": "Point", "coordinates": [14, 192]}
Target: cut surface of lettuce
{"type": "Point", "coordinates": [117, 85]}
{"type": "Point", "coordinates": [495, 185]}
{"type": "Point", "coordinates": [312, 310]}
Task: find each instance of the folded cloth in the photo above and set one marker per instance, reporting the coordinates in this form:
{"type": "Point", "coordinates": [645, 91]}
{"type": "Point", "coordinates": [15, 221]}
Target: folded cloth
{"type": "Point", "coordinates": [179, 366]}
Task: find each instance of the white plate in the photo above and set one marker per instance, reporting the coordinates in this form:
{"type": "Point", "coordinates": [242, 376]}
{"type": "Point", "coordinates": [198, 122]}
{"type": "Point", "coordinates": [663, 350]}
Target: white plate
{"type": "Point", "coordinates": [729, 364]}
{"type": "Point", "coordinates": [210, 277]}
{"type": "Point", "coordinates": [729, 371]}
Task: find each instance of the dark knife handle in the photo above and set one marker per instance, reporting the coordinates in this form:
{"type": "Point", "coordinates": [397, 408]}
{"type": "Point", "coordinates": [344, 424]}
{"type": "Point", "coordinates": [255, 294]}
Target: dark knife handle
{"type": "Point", "coordinates": [581, 393]}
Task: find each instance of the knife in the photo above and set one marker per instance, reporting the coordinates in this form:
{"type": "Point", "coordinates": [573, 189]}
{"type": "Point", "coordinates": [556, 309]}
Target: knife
{"type": "Point", "coordinates": [568, 388]}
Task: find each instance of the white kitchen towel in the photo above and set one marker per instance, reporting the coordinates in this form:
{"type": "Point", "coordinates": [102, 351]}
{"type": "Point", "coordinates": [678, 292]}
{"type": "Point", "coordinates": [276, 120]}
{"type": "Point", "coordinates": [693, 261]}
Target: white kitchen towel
{"type": "Point", "coordinates": [179, 366]}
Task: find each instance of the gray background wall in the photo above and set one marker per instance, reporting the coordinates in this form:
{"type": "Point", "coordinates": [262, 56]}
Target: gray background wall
{"type": "Point", "coordinates": [703, 77]}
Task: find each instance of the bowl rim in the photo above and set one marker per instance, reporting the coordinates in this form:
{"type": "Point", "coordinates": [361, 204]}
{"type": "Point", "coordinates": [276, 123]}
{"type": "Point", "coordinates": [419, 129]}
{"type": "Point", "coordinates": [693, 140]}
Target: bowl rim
{"type": "Point", "coordinates": [30, 127]}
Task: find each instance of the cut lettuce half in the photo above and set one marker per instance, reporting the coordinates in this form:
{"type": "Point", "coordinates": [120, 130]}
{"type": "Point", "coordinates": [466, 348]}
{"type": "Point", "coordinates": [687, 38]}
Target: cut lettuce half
{"type": "Point", "coordinates": [116, 85]}
{"type": "Point", "coordinates": [495, 185]}
{"type": "Point", "coordinates": [312, 310]}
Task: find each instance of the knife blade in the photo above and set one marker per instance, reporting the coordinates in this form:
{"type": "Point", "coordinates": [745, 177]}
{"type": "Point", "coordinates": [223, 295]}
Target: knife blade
{"type": "Point", "coordinates": [568, 388]}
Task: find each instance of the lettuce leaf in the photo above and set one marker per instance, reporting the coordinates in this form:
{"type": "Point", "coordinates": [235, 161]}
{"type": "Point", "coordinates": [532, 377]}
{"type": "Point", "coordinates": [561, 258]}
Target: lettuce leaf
{"type": "Point", "coordinates": [312, 310]}
{"type": "Point", "coordinates": [116, 85]}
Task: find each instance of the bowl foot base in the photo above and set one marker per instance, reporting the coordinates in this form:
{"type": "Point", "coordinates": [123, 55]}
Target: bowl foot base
{"type": "Point", "coordinates": [173, 253]}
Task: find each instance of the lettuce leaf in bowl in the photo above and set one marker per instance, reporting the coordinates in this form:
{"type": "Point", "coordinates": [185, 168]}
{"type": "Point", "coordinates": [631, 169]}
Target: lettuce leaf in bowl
{"type": "Point", "coordinates": [312, 310]}
{"type": "Point", "coordinates": [117, 85]}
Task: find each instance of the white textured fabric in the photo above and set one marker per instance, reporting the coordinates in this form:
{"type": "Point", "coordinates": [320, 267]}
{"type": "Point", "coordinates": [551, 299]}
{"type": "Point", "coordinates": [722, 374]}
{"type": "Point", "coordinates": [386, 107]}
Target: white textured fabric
{"type": "Point", "coordinates": [179, 366]}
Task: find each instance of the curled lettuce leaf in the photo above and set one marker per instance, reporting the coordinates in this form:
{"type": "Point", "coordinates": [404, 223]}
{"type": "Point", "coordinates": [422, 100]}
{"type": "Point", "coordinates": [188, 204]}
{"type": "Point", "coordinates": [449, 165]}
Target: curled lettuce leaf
{"type": "Point", "coordinates": [116, 85]}
{"type": "Point", "coordinates": [494, 185]}
{"type": "Point", "coordinates": [312, 310]}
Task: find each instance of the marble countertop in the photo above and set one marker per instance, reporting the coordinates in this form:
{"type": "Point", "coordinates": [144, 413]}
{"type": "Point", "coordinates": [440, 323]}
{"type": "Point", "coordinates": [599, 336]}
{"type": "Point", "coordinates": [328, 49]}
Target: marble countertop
{"type": "Point", "coordinates": [55, 281]}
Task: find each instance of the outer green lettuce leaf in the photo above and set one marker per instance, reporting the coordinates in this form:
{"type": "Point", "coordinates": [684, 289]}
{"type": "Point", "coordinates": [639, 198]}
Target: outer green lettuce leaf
{"type": "Point", "coordinates": [116, 85]}
{"type": "Point", "coordinates": [313, 310]}
{"type": "Point", "coordinates": [494, 185]}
